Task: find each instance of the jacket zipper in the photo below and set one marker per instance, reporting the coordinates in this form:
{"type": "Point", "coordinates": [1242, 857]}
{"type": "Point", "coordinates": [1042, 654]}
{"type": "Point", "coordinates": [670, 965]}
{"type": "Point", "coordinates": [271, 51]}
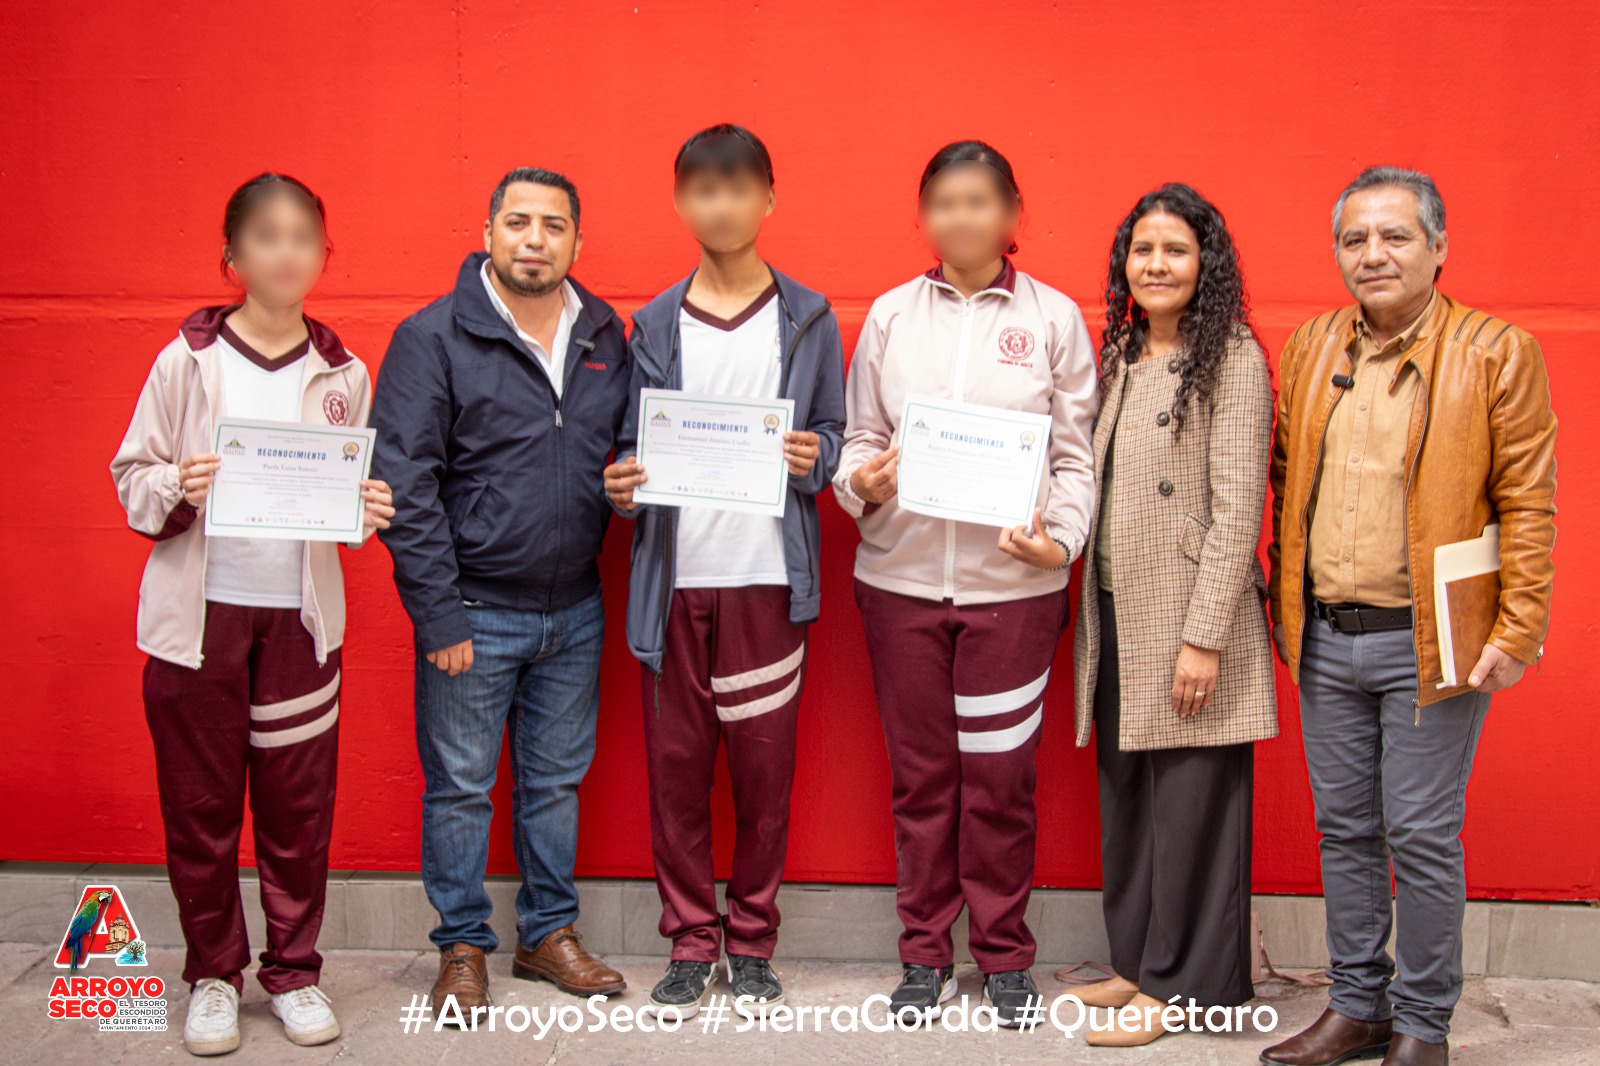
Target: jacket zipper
{"type": "Point", "coordinates": [1305, 513]}
{"type": "Point", "coordinates": [567, 378]}
{"type": "Point", "coordinates": [668, 542]}
{"type": "Point", "coordinates": [963, 350]}
{"type": "Point", "coordinates": [1427, 413]}
{"type": "Point", "coordinates": [310, 587]}
{"type": "Point", "coordinates": [783, 387]}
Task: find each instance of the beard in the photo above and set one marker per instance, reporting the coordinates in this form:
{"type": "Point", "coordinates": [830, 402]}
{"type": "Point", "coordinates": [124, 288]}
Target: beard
{"type": "Point", "coordinates": [524, 287]}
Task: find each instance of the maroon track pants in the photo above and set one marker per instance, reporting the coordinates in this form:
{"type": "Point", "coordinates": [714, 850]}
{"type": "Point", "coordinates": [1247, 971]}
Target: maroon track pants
{"type": "Point", "coordinates": [260, 708]}
{"type": "Point", "coordinates": [731, 670]}
{"type": "Point", "coordinates": [961, 694]}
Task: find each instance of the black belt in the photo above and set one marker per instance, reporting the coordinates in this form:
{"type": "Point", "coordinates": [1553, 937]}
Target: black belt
{"type": "Point", "coordinates": [1359, 618]}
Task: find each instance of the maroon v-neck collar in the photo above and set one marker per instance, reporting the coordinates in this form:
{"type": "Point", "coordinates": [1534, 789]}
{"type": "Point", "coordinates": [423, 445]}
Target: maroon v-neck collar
{"type": "Point", "coordinates": [201, 329]}
{"type": "Point", "coordinates": [238, 344]}
{"type": "Point", "coordinates": [737, 320]}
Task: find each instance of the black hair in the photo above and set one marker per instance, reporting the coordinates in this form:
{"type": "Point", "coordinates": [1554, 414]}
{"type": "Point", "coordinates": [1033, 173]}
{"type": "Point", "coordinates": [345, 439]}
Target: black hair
{"type": "Point", "coordinates": [724, 148]}
{"type": "Point", "coordinates": [1216, 314]}
{"type": "Point", "coordinates": [247, 197]}
{"type": "Point", "coordinates": [975, 152]}
{"type": "Point", "coordinates": [536, 176]}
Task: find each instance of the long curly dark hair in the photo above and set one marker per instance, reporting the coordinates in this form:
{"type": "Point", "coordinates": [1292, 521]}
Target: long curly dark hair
{"type": "Point", "coordinates": [1219, 309]}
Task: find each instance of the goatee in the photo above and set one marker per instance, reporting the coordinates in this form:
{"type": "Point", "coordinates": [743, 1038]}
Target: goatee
{"type": "Point", "coordinates": [526, 288]}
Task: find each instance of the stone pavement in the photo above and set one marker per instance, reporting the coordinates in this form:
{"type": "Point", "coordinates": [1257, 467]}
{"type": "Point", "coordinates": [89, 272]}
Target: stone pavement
{"type": "Point", "coordinates": [1510, 1021]}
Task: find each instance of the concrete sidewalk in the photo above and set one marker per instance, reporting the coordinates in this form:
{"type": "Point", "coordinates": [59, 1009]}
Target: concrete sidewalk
{"type": "Point", "coordinates": [1511, 1021]}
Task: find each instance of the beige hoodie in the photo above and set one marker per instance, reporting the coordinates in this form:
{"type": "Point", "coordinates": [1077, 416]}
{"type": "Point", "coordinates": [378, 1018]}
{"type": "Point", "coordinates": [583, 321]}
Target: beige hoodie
{"type": "Point", "coordinates": [173, 420]}
{"type": "Point", "coordinates": [1018, 344]}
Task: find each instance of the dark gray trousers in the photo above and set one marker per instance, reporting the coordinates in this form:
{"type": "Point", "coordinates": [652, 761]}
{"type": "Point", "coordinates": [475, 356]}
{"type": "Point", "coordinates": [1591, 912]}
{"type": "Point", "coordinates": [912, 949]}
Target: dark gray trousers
{"type": "Point", "coordinates": [1175, 850]}
{"type": "Point", "coordinates": [1389, 789]}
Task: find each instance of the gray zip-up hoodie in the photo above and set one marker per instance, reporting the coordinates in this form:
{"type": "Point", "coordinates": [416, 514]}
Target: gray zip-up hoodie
{"type": "Point", "coordinates": [812, 376]}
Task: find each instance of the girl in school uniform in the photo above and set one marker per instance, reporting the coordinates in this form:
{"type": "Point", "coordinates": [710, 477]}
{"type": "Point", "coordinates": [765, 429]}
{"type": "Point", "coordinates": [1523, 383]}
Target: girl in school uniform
{"type": "Point", "coordinates": [962, 620]}
{"type": "Point", "coordinates": [244, 633]}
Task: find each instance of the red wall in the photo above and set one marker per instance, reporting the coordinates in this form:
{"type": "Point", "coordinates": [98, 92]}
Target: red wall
{"type": "Point", "coordinates": [127, 125]}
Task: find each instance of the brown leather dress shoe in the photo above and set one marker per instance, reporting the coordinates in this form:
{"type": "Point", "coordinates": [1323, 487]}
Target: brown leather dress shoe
{"type": "Point", "coordinates": [561, 960]}
{"type": "Point", "coordinates": [1331, 1039]}
{"type": "Point", "coordinates": [464, 973]}
{"type": "Point", "coordinates": [1407, 1050]}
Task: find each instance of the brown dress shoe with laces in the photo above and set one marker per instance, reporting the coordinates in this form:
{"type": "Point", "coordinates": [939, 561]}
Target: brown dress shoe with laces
{"type": "Point", "coordinates": [463, 973]}
{"type": "Point", "coordinates": [1406, 1050]}
{"type": "Point", "coordinates": [1331, 1039]}
{"type": "Point", "coordinates": [561, 960]}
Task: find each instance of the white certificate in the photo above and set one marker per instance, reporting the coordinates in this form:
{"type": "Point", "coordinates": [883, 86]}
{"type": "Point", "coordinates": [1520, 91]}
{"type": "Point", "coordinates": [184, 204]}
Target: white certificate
{"type": "Point", "coordinates": [971, 463]}
{"type": "Point", "coordinates": [288, 481]}
{"type": "Point", "coordinates": [713, 451]}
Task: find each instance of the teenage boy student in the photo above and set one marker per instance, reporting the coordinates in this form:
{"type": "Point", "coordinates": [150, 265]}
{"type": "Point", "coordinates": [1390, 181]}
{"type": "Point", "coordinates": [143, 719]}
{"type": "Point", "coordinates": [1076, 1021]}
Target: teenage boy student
{"type": "Point", "coordinates": [719, 601]}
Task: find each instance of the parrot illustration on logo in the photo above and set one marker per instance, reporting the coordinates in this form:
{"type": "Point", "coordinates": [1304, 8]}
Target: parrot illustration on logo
{"type": "Point", "coordinates": [81, 931]}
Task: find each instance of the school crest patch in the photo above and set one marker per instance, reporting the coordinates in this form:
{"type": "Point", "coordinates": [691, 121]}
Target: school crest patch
{"type": "Point", "coordinates": [335, 407]}
{"type": "Point", "coordinates": [1016, 344]}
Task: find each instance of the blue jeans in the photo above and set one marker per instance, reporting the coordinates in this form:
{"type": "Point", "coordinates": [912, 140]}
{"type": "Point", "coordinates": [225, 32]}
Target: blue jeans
{"type": "Point", "coordinates": [1390, 787]}
{"type": "Point", "coordinates": [536, 677]}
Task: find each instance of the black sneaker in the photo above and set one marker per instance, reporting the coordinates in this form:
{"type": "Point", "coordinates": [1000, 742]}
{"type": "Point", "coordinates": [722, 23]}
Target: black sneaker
{"type": "Point", "coordinates": [1010, 991]}
{"type": "Point", "coordinates": [685, 987]}
{"type": "Point", "coordinates": [922, 988]}
{"type": "Point", "coordinates": [752, 979]}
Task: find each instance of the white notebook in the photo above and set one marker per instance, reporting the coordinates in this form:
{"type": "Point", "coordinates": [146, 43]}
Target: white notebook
{"type": "Point", "coordinates": [1465, 571]}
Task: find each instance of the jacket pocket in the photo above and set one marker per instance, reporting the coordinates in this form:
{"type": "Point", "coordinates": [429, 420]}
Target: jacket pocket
{"type": "Point", "coordinates": [460, 509]}
{"type": "Point", "coordinates": [1192, 537]}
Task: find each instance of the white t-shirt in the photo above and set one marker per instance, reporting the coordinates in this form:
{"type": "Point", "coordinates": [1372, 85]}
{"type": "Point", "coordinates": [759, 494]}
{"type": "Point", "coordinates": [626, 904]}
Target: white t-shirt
{"type": "Point", "coordinates": [252, 571]}
{"type": "Point", "coordinates": [739, 357]}
{"type": "Point", "coordinates": [552, 362]}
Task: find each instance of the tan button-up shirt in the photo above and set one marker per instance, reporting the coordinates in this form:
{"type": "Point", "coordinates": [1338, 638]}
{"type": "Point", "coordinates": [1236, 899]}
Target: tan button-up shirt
{"type": "Point", "coordinates": [1356, 552]}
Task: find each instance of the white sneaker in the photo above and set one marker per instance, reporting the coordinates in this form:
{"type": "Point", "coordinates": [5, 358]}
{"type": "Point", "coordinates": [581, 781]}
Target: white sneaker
{"type": "Point", "coordinates": [307, 1015]}
{"type": "Point", "coordinates": [212, 1027]}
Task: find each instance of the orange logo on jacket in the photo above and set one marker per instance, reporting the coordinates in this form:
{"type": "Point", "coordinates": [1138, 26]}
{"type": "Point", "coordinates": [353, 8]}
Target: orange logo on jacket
{"type": "Point", "coordinates": [1016, 344]}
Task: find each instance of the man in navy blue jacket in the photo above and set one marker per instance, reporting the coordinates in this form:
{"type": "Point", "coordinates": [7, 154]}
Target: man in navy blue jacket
{"type": "Point", "coordinates": [496, 408]}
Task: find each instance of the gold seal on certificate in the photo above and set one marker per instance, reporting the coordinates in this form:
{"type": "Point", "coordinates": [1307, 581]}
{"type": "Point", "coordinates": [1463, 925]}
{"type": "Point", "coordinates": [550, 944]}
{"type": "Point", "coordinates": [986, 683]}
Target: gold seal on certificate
{"type": "Point", "coordinates": [713, 451]}
{"type": "Point", "coordinates": [288, 481]}
{"type": "Point", "coordinates": [971, 463]}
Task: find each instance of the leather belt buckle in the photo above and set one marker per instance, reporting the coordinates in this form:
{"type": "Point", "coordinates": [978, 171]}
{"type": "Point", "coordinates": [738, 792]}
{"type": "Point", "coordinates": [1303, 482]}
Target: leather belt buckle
{"type": "Point", "coordinates": [1355, 618]}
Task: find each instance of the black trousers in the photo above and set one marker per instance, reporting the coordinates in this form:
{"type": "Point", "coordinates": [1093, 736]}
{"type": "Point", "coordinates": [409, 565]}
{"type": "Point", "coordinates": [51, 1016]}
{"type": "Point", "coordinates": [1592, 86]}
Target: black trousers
{"type": "Point", "coordinates": [1175, 849]}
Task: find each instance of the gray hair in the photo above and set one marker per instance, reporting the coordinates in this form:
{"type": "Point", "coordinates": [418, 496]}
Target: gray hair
{"type": "Point", "coordinates": [1430, 207]}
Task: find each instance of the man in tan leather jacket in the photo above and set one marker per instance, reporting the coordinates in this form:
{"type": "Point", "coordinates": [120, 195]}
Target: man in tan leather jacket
{"type": "Point", "coordinates": [1405, 421]}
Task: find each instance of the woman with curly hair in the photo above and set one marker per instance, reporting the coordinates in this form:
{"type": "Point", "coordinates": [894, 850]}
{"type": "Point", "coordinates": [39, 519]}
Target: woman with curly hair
{"type": "Point", "coordinates": [1172, 656]}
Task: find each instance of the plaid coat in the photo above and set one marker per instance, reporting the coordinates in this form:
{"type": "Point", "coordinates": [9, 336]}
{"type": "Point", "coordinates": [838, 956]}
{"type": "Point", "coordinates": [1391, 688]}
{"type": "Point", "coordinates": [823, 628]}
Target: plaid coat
{"type": "Point", "coordinates": [1187, 511]}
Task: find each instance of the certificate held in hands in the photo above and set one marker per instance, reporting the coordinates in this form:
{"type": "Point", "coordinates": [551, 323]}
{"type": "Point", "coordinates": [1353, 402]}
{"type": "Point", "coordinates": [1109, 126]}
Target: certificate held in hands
{"type": "Point", "coordinates": [971, 463]}
{"type": "Point", "coordinates": [713, 451]}
{"type": "Point", "coordinates": [289, 481]}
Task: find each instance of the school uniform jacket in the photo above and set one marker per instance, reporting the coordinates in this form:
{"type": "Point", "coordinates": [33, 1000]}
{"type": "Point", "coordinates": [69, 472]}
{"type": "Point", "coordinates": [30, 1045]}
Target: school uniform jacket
{"type": "Point", "coordinates": [812, 376]}
{"type": "Point", "coordinates": [1018, 344]}
{"type": "Point", "coordinates": [175, 418]}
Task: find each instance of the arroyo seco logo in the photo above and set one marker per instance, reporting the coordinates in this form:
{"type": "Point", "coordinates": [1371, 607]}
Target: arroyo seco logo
{"type": "Point", "coordinates": [103, 928]}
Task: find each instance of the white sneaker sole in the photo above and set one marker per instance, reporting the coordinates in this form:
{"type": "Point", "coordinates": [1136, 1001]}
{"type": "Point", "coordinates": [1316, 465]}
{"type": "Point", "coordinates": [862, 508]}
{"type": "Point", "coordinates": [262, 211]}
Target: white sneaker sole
{"type": "Point", "coordinates": [213, 1045]}
{"type": "Point", "coordinates": [307, 1037]}
{"type": "Point", "coordinates": [314, 1037]}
